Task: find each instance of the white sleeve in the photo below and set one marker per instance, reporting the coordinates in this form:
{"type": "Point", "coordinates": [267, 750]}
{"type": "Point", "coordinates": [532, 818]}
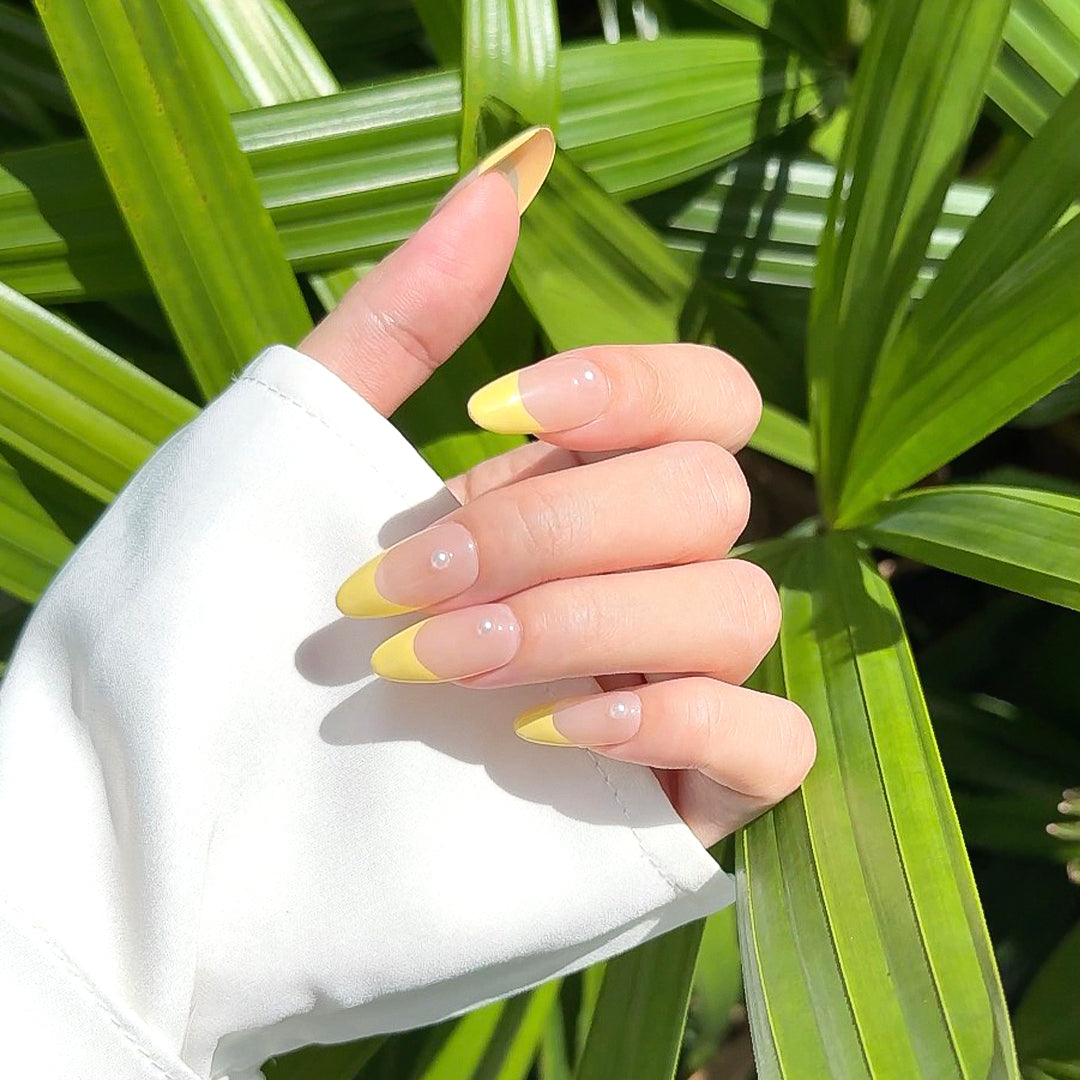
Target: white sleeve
{"type": "Point", "coordinates": [221, 837]}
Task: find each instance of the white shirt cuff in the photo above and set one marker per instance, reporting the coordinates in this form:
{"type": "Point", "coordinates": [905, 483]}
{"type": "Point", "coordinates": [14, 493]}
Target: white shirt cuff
{"type": "Point", "coordinates": [253, 843]}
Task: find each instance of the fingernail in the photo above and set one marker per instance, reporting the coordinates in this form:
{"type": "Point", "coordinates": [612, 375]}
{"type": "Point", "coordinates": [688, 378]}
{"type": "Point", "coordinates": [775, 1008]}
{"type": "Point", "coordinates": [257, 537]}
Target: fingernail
{"type": "Point", "coordinates": [596, 721]}
{"type": "Point", "coordinates": [524, 160]}
{"type": "Point", "coordinates": [554, 395]}
{"type": "Point", "coordinates": [431, 566]}
{"type": "Point", "coordinates": [451, 646]}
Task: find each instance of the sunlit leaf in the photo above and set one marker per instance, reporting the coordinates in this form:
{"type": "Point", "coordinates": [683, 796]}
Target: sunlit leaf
{"type": "Point", "coordinates": [74, 407]}
{"type": "Point", "coordinates": [347, 177]}
{"type": "Point", "coordinates": [864, 949]}
{"type": "Point", "coordinates": [1019, 538]}
{"type": "Point", "coordinates": [637, 1028]}
{"type": "Point", "coordinates": [939, 388]}
{"type": "Point", "coordinates": [917, 93]}
{"type": "Point", "coordinates": [143, 79]}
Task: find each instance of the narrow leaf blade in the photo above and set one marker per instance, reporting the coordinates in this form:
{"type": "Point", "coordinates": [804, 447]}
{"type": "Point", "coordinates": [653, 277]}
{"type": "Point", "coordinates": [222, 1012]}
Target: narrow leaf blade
{"type": "Point", "coordinates": [917, 93]}
{"type": "Point", "coordinates": [142, 78]}
{"type": "Point", "coordinates": [1019, 538]}
{"type": "Point", "coordinates": [864, 949]}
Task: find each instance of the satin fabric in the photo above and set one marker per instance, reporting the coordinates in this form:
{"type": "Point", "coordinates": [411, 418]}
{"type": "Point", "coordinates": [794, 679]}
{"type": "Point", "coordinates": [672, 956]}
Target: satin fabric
{"type": "Point", "coordinates": [222, 837]}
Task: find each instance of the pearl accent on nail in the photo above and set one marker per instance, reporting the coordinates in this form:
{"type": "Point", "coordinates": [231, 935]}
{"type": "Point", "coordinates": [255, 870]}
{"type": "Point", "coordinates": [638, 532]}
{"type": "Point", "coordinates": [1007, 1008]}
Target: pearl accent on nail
{"type": "Point", "coordinates": [486, 626]}
{"type": "Point", "coordinates": [440, 559]}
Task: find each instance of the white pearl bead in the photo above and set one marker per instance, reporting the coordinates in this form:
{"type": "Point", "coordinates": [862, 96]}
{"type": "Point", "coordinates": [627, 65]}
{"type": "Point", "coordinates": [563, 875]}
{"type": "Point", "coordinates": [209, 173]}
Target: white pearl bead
{"type": "Point", "coordinates": [440, 559]}
{"type": "Point", "coordinates": [619, 710]}
{"type": "Point", "coordinates": [485, 627]}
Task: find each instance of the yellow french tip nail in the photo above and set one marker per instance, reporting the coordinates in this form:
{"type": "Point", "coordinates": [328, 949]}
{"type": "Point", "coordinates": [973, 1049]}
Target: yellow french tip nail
{"type": "Point", "coordinates": [538, 726]}
{"type": "Point", "coordinates": [395, 658]}
{"type": "Point", "coordinates": [359, 597]}
{"type": "Point", "coordinates": [525, 161]}
{"type": "Point", "coordinates": [498, 407]}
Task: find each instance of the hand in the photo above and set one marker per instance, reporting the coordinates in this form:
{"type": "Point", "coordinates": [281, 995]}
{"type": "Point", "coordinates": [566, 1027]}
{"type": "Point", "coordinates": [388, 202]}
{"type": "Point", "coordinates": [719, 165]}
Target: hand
{"type": "Point", "coordinates": [598, 550]}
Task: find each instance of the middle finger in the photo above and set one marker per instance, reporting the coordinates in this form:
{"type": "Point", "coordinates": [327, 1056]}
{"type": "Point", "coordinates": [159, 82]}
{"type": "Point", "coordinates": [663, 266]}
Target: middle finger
{"type": "Point", "coordinates": [668, 505]}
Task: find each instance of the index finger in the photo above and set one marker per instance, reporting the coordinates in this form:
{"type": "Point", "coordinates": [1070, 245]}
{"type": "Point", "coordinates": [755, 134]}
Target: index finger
{"type": "Point", "coordinates": [621, 397]}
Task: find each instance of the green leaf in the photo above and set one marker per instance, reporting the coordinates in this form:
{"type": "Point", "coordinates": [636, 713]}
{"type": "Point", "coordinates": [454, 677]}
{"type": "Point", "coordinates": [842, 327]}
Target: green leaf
{"type": "Point", "coordinates": [266, 51]}
{"type": "Point", "coordinates": [784, 437]}
{"type": "Point", "coordinates": [1019, 538]}
{"type": "Point", "coordinates": [271, 60]}
{"type": "Point", "coordinates": [516, 1041]}
{"type": "Point", "coordinates": [717, 988]}
{"type": "Point", "coordinates": [820, 27]}
{"type": "Point", "coordinates": [636, 1031]}
{"type": "Point", "coordinates": [32, 545]}
{"type": "Point", "coordinates": [934, 396]}
{"type": "Point", "coordinates": [347, 177]}
{"type": "Point", "coordinates": [1039, 61]}
{"type": "Point", "coordinates": [339, 1062]}
{"type": "Point", "coordinates": [142, 77]}
{"type": "Point", "coordinates": [442, 24]}
{"type": "Point", "coordinates": [511, 54]}
{"type": "Point", "coordinates": [1014, 343]}
{"type": "Point", "coordinates": [73, 406]}
{"type": "Point", "coordinates": [26, 63]}
{"type": "Point", "coordinates": [917, 93]}
{"type": "Point", "coordinates": [864, 948]}
{"type": "Point", "coordinates": [496, 1042]}
{"type": "Point", "coordinates": [13, 614]}
{"type": "Point", "coordinates": [592, 272]}
{"type": "Point", "coordinates": [1048, 1017]}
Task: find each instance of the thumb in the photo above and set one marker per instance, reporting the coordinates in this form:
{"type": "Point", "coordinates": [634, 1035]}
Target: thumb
{"type": "Point", "coordinates": [396, 326]}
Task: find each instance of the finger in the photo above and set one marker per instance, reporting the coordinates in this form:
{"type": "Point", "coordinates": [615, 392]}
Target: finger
{"type": "Point", "coordinates": [615, 396]}
{"type": "Point", "coordinates": [520, 463]}
{"type": "Point", "coordinates": [679, 503]}
{"type": "Point", "coordinates": [720, 616]}
{"type": "Point", "coordinates": [726, 753]}
{"type": "Point", "coordinates": [752, 743]}
{"type": "Point", "coordinates": [407, 316]}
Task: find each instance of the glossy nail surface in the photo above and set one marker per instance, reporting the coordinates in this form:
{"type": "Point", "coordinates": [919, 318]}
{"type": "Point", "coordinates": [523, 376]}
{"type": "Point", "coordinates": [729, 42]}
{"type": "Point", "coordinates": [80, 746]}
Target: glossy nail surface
{"type": "Point", "coordinates": [433, 565]}
{"type": "Point", "coordinates": [597, 721]}
{"type": "Point", "coordinates": [556, 395]}
{"type": "Point", "coordinates": [451, 646]}
{"type": "Point", "coordinates": [524, 160]}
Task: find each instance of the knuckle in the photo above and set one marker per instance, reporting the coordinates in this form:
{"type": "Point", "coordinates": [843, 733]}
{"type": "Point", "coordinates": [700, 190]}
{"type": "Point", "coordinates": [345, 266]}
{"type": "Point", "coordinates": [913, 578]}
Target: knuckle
{"type": "Point", "coordinates": [647, 390]}
{"type": "Point", "coordinates": [795, 750]}
{"type": "Point", "coordinates": [743, 403]}
{"type": "Point", "coordinates": [703, 720]}
{"type": "Point", "coordinates": [550, 526]}
{"type": "Point", "coordinates": [713, 483]}
{"type": "Point", "coordinates": [755, 603]}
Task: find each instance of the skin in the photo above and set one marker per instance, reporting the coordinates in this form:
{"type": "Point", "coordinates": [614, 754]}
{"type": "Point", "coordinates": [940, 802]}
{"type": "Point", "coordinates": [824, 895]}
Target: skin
{"type": "Point", "coordinates": [607, 540]}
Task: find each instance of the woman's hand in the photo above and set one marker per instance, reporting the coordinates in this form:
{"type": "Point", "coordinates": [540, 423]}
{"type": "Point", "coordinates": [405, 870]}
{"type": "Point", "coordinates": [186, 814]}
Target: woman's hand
{"type": "Point", "coordinates": [596, 551]}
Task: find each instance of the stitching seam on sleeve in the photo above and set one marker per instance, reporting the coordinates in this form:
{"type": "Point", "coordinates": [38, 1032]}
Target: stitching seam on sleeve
{"type": "Point", "coordinates": [35, 933]}
{"type": "Point", "coordinates": [676, 888]}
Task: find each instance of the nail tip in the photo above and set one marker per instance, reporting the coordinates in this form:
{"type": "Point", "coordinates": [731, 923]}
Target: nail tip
{"type": "Point", "coordinates": [359, 598]}
{"type": "Point", "coordinates": [530, 154]}
{"type": "Point", "coordinates": [498, 407]}
{"type": "Point", "coordinates": [396, 661]}
{"type": "Point", "coordinates": [539, 728]}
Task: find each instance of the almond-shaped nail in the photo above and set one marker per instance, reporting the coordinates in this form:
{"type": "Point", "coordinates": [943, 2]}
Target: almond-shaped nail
{"type": "Point", "coordinates": [602, 720]}
{"type": "Point", "coordinates": [524, 160]}
{"type": "Point", "coordinates": [554, 395]}
{"type": "Point", "coordinates": [451, 646]}
{"type": "Point", "coordinates": [433, 565]}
